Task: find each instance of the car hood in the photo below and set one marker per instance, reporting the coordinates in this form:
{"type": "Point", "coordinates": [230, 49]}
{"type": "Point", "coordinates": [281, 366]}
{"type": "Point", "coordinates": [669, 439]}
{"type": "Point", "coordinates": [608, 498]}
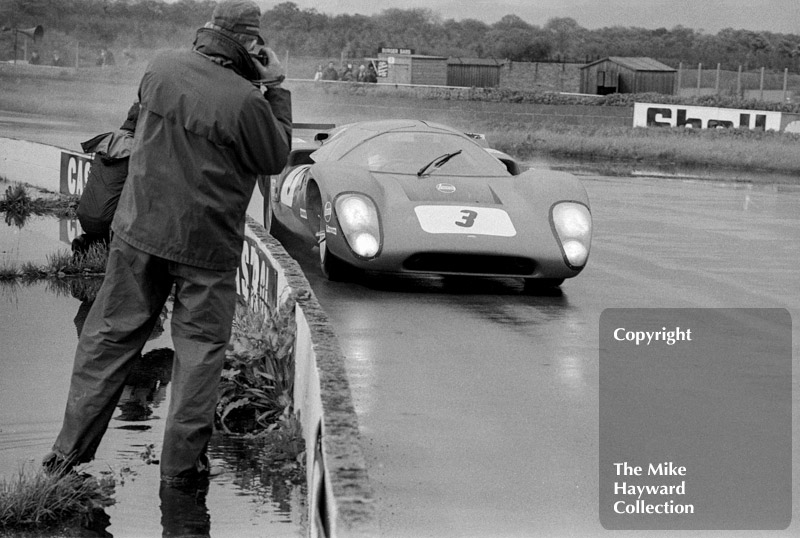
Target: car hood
{"type": "Point", "coordinates": [444, 189]}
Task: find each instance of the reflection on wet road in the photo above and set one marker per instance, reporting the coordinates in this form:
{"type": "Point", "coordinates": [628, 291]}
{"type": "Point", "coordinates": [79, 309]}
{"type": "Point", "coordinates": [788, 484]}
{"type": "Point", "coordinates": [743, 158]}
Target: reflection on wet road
{"type": "Point", "coordinates": [478, 404]}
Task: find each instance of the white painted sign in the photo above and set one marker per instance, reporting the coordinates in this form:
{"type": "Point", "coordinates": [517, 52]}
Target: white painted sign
{"type": "Point", "coordinates": [703, 117]}
{"type": "Point", "coordinates": [437, 219]}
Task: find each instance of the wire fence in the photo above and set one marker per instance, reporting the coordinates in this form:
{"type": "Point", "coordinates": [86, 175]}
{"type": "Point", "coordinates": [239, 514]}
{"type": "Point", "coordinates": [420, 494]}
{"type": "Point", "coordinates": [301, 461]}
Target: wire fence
{"type": "Point", "coordinates": [757, 84]}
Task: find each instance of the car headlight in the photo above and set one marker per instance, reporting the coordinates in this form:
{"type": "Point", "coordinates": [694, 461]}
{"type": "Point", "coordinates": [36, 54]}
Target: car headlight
{"type": "Point", "coordinates": [572, 223]}
{"type": "Point", "coordinates": [358, 219]}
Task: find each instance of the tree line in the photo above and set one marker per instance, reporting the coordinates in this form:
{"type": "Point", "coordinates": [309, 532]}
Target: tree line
{"type": "Point", "coordinates": [308, 32]}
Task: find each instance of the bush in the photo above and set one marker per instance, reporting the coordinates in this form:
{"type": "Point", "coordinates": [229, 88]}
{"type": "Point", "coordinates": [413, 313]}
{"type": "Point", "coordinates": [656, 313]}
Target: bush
{"type": "Point", "coordinates": [256, 390]}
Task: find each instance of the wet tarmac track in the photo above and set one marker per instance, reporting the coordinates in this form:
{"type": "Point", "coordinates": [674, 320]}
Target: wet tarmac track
{"type": "Point", "coordinates": [479, 404]}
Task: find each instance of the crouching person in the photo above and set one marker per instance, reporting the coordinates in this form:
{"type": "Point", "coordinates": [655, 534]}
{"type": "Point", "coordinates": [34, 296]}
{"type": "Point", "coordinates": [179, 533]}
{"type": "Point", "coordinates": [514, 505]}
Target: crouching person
{"type": "Point", "coordinates": [107, 176]}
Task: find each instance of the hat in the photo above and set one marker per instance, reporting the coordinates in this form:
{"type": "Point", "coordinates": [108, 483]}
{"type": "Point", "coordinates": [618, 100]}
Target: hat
{"type": "Point", "coordinates": [133, 116]}
{"type": "Point", "coordinates": [238, 16]}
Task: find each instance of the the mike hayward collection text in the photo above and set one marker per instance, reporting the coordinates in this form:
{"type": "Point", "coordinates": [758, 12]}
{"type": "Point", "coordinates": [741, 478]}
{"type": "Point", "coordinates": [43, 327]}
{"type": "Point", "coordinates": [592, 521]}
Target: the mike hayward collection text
{"type": "Point", "coordinates": [641, 506]}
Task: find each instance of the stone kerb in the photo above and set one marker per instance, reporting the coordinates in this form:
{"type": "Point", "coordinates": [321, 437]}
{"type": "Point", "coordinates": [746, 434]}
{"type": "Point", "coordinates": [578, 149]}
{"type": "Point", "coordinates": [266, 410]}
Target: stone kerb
{"type": "Point", "coordinates": [339, 492]}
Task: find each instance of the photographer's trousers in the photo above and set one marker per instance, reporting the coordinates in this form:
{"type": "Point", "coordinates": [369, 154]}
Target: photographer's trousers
{"type": "Point", "coordinates": [134, 291]}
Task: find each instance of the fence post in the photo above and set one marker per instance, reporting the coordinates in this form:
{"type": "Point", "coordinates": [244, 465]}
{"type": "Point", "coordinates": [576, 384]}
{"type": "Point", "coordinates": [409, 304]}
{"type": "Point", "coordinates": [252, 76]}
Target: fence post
{"type": "Point", "coordinates": [77, 54]}
{"type": "Point", "coordinates": [286, 65]}
{"type": "Point", "coordinates": [716, 85]}
{"type": "Point", "coordinates": [699, 77]}
{"type": "Point", "coordinates": [761, 86]}
{"type": "Point", "coordinates": [785, 83]}
{"type": "Point", "coordinates": [680, 79]}
{"type": "Point", "coordinates": [739, 83]}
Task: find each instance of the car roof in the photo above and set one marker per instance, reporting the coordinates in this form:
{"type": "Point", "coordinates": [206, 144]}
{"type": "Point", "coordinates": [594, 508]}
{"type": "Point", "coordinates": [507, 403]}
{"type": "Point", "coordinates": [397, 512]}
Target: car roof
{"type": "Point", "coordinates": [381, 126]}
{"type": "Point", "coordinates": [346, 137]}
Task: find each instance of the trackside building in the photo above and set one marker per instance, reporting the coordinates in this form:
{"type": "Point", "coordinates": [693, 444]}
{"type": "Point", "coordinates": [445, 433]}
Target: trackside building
{"type": "Point", "coordinates": [617, 74]}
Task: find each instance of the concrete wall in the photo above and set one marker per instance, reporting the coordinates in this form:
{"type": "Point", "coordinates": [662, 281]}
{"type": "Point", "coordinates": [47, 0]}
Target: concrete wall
{"type": "Point", "coordinates": [547, 76]}
{"type": "Point", "coordinates": [340, 498]}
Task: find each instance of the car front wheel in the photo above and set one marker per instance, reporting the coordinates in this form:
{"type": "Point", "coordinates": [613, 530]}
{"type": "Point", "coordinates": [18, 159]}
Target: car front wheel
{"type": "Point", "coordinates": [271, 225]}
{"type": "Point", "coordinates": [332, 267]}
{"type": "Point", "coordinates": [537, 285]}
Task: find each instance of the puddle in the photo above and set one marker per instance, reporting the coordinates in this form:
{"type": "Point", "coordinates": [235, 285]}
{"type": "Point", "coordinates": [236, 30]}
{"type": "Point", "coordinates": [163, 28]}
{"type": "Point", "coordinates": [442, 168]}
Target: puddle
{"type": "Point", "coordinates": [39, 324]}
{"type": "Point", "coordinates": [33, 240]}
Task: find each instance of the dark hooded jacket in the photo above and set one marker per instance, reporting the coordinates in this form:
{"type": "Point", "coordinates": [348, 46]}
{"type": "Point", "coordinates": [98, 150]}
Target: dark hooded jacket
{"type": "Point", "coordinates": [205, 132]}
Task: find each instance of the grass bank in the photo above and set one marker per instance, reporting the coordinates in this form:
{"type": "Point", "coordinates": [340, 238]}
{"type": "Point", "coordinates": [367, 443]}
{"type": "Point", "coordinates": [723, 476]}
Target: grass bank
{"type": "Point", "coordinates": [745, 150]}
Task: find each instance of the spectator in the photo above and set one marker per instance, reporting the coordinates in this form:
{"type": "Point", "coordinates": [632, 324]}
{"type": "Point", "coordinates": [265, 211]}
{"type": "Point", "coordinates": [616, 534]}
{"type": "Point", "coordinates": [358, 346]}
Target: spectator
{"type": "Point", "coordinates": [35, 59]}
{"type": "Point", "coordinates": [318, 73]}
{"type": "Point", "coordinates": [130, 57]}
{"type": "Point", "coordinates": [57, 61]}
{"type": "Point", "coordinates": [372, 76]}
{"type": "Point", "coordinates": [362, 73]}
{"type": "Point", "coordinates": [211, 120]}
{"type": "Point", "coordinates": [347, 73]}
{"type": "Point", "coordinates": [108, 58]}
{"type": "Point", "coordinates": [105, 58]}
{"type": "Point", "coordinates": [330, 73]}
{"type": "Point", "coordinates": [106, 178]}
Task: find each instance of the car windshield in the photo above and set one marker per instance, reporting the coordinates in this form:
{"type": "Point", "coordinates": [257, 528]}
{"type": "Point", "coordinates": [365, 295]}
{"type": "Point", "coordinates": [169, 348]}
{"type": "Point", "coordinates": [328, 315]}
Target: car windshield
{"type": "Point", "coordinates": [408, 152]}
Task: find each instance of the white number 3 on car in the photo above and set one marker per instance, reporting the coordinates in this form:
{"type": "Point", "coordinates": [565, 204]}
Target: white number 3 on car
{"type": "Point", "coordinates": [437, 219]}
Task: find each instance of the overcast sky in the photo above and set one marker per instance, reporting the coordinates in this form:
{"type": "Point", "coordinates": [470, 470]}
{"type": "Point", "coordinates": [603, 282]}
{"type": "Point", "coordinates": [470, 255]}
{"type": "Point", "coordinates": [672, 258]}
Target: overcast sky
{"type": "Point", "coordinates": [782, 16]}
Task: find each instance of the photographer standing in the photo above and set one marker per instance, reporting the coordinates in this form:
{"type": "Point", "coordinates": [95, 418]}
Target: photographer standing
{"type": "Point", "coordinates": [212, 119]}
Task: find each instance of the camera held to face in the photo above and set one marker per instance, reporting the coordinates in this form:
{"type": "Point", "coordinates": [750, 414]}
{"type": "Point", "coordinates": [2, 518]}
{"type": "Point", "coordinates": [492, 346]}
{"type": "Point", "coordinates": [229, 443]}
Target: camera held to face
{"type": "Point", "coordinates": [259, 53]}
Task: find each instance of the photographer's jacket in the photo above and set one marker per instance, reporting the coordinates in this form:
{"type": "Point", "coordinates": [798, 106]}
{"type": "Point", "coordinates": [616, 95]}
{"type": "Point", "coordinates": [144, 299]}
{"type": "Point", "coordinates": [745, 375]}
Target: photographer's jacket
{"type": "Point", "coordinates": [204, 134]}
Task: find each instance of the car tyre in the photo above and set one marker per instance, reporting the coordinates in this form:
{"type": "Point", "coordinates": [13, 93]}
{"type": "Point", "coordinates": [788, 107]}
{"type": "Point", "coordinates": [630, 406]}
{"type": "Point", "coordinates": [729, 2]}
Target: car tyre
{"type": "Point", "coordinates": [538, 285]}
{"type": "Point", "coordinates": [271, 225]}
{"type": "Point", "coordinates": [332, 267]}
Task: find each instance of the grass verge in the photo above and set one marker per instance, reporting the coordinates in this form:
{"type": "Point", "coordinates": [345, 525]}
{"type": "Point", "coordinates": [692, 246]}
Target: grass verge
{"type": "Point", "coordinates": [61, 264]}
{"type": "Point", "coordinates": [748, 150]}
{"type": "Point", "coordinates": [35, 500]}
{"type": "Point", "coordinates": [18, 204]}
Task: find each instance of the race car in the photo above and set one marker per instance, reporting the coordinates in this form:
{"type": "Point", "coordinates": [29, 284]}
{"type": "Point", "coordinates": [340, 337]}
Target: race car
{"type": "Point", "coordinates": [411, 196]}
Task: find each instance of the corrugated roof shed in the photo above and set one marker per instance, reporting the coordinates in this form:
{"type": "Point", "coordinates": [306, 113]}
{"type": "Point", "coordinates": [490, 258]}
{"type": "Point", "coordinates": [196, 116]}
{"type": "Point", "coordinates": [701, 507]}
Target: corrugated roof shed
{"type": "Point", "coordinates": [635, 63]}
{"type": "Point", "coordinates": [474, 61]}
{"type": "Point", "coordinates": [618, 74]}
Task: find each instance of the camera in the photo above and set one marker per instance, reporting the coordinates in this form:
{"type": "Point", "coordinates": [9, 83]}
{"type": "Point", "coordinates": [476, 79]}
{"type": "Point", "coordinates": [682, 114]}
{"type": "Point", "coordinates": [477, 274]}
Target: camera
{"type": "Point", "coordinates": [260, 55]}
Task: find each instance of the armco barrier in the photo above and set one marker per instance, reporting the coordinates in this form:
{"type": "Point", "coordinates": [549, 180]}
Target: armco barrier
{"type": "Point", "coordinates": [340, 498]}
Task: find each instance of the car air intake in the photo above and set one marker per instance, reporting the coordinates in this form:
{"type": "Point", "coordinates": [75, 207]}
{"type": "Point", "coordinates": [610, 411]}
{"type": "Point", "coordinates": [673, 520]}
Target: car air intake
{"type": "Point", "coordinates": [469, 264]}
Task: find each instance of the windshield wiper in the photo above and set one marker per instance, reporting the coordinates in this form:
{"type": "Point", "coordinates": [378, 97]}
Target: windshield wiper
{"type": "Point", "coordinates": [438, 162]}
